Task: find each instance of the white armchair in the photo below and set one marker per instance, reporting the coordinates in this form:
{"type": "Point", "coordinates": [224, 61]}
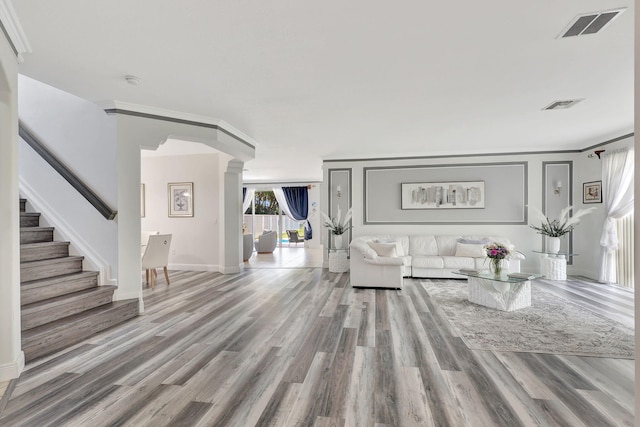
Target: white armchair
{"type": "Point", "coordinates": [266, 242]}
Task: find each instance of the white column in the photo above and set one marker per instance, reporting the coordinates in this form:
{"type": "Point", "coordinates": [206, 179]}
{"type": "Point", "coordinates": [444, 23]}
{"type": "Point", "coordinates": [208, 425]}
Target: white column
{"type": "Point", "coordinates": [231, 226]}
{"type": "Point", "coordinates": [11, 355]}
{"type": "Point", "coordinates": [128, 181]}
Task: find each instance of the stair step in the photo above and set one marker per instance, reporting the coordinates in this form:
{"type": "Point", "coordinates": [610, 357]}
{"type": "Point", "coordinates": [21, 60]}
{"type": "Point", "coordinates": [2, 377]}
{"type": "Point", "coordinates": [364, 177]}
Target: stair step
{"type": "Point", "coordinates": [43, 250]}
{"type": "Point", "coordinates": [36, 234]}
{"type": "Point", "coordinates": [50, 310]}
{"type": "Point", "coordinates": [39, 290]}
{"type": "Point", "coordinates": [23, 205]}
{"type": "Point", "coordinates": [51, 337]}
{"type": "Point", "coordinates": [35, 270]}
{"type": "Point", "coordinates": [29, 219]}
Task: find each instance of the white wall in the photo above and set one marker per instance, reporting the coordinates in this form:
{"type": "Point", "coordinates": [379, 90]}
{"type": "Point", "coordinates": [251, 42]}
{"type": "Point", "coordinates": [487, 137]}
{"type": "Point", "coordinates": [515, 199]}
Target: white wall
{"type": "Point", "coordinates": [586, 236]}
{"type": "Point", "coordinates": [196, 240]}
{"type": "Point", "coordinates": [82, 136]}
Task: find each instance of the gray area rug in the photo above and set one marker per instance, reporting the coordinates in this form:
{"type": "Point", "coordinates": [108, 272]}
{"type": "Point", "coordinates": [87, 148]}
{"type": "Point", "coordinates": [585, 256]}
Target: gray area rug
{"type": "Point", "coordinates": [551, 325]}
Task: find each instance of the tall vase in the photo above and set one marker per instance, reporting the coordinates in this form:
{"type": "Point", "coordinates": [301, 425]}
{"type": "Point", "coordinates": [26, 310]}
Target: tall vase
{"type": "Point", "coordinates": [337, 241]}
{"type": "Point", "coordinates": [496, 266]}
{"type": "Point", "coordinates": [553, 244]}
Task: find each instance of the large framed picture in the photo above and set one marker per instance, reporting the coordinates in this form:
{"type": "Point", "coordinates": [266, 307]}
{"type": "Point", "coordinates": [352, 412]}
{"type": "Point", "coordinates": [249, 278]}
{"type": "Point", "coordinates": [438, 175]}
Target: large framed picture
{"type": "Point", "coordinates": [180, 199]}
{"type": "Point", "coordinates": [443, 195]}
{"type": "Point", "coordinates": [592, 192]}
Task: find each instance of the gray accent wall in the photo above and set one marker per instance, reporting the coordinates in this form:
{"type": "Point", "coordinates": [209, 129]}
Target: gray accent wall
{"type": "Point", "coordinates": [505, 193]}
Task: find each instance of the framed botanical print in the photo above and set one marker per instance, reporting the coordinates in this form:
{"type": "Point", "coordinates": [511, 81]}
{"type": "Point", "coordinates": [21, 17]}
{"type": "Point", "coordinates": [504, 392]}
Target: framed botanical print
{"type": "Point", "coordinates": [180, 199]}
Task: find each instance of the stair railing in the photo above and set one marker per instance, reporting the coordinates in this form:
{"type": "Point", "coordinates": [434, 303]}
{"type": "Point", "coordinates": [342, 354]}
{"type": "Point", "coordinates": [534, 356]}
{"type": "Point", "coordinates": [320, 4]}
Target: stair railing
{"type": "Point", "coordinates": [66, 173]}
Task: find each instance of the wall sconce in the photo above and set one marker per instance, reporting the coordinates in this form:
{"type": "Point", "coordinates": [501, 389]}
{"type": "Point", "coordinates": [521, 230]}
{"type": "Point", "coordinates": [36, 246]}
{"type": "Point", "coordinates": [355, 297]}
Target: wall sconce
{"type": "Point", "coordinates": [339, 191]}
{"type": "Point", "coordinates": [558, 187]}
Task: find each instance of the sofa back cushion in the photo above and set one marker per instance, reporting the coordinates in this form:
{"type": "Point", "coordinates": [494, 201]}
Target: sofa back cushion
{"type": "Point", "coordinates": [447, 245]}
{"type": "Point", "coordinates": [423, 245]}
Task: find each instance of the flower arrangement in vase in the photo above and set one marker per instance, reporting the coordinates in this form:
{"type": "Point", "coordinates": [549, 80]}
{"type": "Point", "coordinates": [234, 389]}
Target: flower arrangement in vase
{"type": "Point", "coordinates": [337, 226]}
{"type": "Point", "coordinates": [496, 252]}
{"type": "Point", "coordinates": [556, 228]}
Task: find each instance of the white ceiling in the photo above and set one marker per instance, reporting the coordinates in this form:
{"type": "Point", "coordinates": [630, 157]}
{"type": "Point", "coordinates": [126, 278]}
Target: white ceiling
{"type": "Point", "coordinates": [348, 79]}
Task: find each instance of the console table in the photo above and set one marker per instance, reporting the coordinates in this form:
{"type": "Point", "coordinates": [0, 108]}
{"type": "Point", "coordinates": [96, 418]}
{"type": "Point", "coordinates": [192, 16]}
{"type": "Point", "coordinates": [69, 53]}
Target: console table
{"type": "Point", "coordinates": [554, 265]}
{"type": "Point", "coordinates": [499, 292]}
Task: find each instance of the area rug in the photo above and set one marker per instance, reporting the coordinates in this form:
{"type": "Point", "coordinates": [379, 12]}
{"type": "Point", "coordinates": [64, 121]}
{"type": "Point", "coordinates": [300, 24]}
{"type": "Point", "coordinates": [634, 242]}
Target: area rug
{"type": "Point", "coordinates": [551, 325]}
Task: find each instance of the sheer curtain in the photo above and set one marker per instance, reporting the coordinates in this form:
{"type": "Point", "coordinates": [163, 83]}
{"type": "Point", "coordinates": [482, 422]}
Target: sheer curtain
{"type": "Point", "coordinates": [617, 195]}
{"type": "Point", "coordinates": [247, 197]}
{"type": "Point", "coordinates": [294, 204]}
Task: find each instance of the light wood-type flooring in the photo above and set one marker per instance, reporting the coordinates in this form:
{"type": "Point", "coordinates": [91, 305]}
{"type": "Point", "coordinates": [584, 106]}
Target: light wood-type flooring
{"type": "Point", "coordinates": [288, 347]}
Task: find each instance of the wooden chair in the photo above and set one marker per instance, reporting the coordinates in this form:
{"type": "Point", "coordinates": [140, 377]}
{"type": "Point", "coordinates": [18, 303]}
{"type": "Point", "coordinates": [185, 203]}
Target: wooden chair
{"type": "Point", "coordinates": [294, 237]}
{"type": "Point", "coordinates": [156, 255]}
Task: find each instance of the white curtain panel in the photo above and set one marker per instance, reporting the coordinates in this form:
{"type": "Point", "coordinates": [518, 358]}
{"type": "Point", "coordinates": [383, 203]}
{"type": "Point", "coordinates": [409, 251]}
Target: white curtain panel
{"type": "Point", "coordinates": [251, 192]}
{"type": "Point", "coordinates": [617, 194]}
{"type": "Point", "coordinates": [282, 201]}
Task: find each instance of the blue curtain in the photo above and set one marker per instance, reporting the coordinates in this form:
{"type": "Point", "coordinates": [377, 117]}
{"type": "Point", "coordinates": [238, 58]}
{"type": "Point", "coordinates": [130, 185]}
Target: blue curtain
{"type": "Point", "coordinates": [298, 201]}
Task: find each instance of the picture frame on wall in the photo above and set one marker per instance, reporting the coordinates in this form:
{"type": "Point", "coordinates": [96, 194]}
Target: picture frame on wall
{"type": "Point", "coordinates": [443, 195]}
{"type": "Point", "coordinates": [142, 213]}
{"type": "Point", "coordinates": [592, 192]}
{"type": "Point", "coordinates": [180, 199]}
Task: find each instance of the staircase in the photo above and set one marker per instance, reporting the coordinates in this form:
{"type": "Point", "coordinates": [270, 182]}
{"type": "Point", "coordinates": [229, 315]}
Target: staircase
{"type": "Point", "coordinates": [61, 304]}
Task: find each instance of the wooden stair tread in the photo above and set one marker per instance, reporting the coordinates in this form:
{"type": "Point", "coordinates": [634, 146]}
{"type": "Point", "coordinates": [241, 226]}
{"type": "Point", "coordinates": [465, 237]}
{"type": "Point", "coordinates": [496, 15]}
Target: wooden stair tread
{"type": "Point", "coordinates": [56, 279]}
{"type": "Point", "coordinates": [51, 261]}
{"type": "Point", "coordinates": [42, 244]}
{"type": "Point", "coordinates": [73, 295]}
{"type": "Point", "coordinates": [37, 229]}
{"type": "Point", "coordinates": [52, 337]}
{"type": "Point", "coordinates": [29, 213]}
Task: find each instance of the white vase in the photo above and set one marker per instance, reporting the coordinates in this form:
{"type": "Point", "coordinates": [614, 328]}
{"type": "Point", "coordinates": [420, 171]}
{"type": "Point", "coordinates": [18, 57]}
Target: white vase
{"type": "Point", "coordinates": [337, 241]}
{"type": "Point", "coordinates": [553, 244]}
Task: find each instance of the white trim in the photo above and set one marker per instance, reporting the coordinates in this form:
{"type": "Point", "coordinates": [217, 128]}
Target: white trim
{"type": "Point", "coordinates": [146, 109]}
{"type": "Point", "coordinates": [94, 260]}
{"type": "Point", "coordinates": [14, 29]}
{"type": "Point", "coordinates": [12, 370]}
{"type": "Point", "coordinates": [194, 267]}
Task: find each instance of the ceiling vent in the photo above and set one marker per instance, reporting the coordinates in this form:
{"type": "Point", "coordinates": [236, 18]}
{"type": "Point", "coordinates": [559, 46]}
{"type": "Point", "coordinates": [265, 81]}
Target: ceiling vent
{"type": "Point", "coordinates": [562, 105]}
{"type": "Point", "coordinates": [590, 23]}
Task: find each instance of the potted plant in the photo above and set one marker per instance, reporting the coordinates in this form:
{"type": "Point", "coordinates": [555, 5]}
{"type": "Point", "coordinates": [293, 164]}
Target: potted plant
{"type": "Point", "coordinates": [337, 227]}
{"type": "Point", "coordinates": [554, 229]}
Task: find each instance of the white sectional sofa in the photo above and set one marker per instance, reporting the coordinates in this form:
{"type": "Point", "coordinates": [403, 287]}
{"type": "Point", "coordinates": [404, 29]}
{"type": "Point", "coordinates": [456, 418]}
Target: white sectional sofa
{"type": "Point", "coordinates": [382, 261]}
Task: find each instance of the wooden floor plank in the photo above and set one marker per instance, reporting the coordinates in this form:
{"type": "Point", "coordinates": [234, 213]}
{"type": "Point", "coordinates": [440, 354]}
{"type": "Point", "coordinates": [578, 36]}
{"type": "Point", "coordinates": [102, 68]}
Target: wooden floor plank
{"type": "Point", "coordinates": [299, 346]}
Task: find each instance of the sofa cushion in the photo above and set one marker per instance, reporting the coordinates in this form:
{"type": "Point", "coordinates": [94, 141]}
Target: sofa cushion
{"type": "Point", "coordinates": [433, 261]}
{"type": "Point", "coordinates": [470, 250]}
{"type": "Point", "coordinates": [447, 245]}
{"type": "Point", "coordinates": [400, 251]}
{"type": "Point", "coordinates": [422, 245]}
{"type": "Point", "coordinates": [475, 240]}
{"type": "Point", "coordinates": [458, 262]}
{"type": "Point", "coordinates": [384, 249]}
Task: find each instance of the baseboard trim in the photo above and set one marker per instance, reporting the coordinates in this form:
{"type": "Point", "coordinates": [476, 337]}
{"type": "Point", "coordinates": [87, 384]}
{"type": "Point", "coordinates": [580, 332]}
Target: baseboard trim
{"type": "Point", "coordinates": [12, 370]}
{"type": "Point", "coordinates": [194, 267]}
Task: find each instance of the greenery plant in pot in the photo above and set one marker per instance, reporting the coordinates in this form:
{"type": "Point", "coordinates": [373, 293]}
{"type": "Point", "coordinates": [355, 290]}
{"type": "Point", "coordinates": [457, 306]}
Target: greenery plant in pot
{"type": "Point", "coordinates": [337, 226]}
{"type": "Point", "coordinates": [556, 228]}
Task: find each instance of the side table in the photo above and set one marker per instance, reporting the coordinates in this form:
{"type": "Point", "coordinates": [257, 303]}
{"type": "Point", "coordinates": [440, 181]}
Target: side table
{"type": "Point", "coordinates": [338, 260]}
{"type": "Point", "coordinates": [554, 265]}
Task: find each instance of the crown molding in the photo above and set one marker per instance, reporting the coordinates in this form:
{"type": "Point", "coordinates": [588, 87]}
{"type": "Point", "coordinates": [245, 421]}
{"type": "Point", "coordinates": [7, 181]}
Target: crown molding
{"type": "Point", "coordinates": [114, 106]}
{"type": "Point", "coordinates": [13, 30]}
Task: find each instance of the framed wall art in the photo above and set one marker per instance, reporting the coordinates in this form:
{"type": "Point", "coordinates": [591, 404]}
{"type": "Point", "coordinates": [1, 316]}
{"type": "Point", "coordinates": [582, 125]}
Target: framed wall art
{"type": "Point", "coordinates": [180, 199]}
{"type": "Point", "coordinates": [592, 192]}
{"type": "Point", "coordinates": [443, 195]}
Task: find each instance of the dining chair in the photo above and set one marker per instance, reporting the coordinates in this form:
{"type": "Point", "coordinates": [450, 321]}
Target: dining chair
{"type": "Point", "coordinates": [156, 255]}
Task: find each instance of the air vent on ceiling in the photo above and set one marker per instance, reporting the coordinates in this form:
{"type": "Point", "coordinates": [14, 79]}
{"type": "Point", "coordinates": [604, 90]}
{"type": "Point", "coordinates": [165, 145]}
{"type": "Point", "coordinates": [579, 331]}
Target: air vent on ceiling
{"type": "Point", "coordinates": [590, 23]}
{"type": "Point", "coordinates": [562, 105]}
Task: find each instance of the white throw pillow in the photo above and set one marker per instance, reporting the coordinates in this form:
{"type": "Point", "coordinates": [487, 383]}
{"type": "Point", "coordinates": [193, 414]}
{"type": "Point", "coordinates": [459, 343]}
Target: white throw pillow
{"type": "Point", "coordinates": [384, 249]}
{"type": "Point", "coordinates": [469, 250]}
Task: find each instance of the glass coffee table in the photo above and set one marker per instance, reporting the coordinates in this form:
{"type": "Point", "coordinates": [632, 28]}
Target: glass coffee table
{"type": "Point", "coordinates": [499, 292]}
